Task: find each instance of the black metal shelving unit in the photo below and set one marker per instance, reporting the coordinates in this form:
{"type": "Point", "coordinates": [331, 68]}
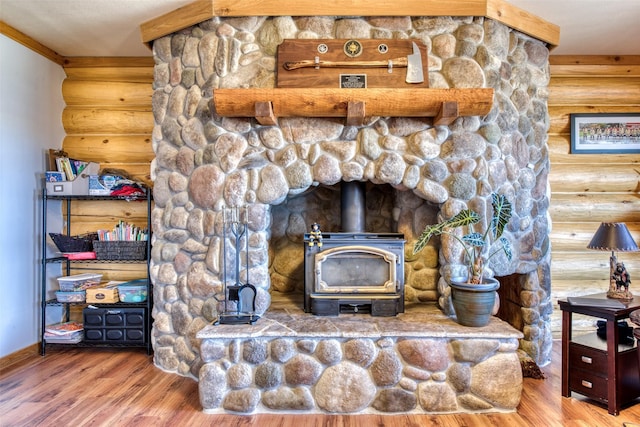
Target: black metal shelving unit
{"type": "Point", "coordinates": [67, 263]}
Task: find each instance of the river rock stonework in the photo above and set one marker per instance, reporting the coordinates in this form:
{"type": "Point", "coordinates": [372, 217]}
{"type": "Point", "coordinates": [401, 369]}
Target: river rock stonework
{"type": "Point", "coordinates": [286, 177]}
{"type": "Point", "coordinates": [423, 363]}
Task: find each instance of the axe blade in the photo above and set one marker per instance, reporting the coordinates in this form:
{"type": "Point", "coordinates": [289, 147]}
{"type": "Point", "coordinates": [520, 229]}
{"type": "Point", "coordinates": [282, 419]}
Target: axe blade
{"type": "Point", "coordinates": [414, 66]}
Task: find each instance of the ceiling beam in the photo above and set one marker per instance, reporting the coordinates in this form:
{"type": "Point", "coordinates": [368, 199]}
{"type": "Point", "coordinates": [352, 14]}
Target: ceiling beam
{"type": "Point", "coordinates": [30, 43]}
{"type": "Point", "coordinates": [202, 10]}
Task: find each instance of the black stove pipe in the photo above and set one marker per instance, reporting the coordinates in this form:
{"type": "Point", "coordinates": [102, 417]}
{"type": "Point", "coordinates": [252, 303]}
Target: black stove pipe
{"type": "Point", "coordinates": [353, 206]}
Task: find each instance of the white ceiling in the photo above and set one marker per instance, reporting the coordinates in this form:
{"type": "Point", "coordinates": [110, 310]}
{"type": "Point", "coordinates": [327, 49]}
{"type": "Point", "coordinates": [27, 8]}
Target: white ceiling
{"type": "Point", "coordinates": [112, 27]}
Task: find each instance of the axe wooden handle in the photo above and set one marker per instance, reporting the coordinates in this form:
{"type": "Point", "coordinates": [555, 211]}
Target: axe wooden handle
{"type": "Point", "coordinates": [396, 62]}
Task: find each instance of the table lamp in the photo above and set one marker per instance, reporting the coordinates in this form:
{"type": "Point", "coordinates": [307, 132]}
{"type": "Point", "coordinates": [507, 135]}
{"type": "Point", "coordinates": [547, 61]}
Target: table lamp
{"type": "Point", "coordinates": [614, 236]}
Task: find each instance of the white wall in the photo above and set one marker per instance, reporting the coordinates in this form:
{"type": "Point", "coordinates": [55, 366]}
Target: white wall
{"type": "Point", "coordinates": [31, 107]}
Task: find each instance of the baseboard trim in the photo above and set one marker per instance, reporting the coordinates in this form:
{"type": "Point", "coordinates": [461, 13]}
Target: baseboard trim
{"type": "Point", "coordinates": [8, 361]}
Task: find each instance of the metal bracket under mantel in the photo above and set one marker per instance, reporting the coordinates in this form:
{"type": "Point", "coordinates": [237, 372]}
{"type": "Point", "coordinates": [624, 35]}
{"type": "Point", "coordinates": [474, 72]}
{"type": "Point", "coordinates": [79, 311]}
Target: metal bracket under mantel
{"type": "Point", "coordinates": [267, 105]}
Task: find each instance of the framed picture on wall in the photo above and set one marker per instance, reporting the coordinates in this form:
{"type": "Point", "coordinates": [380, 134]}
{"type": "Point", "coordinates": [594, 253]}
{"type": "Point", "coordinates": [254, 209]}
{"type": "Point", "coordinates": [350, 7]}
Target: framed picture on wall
{"type": "Point", "coordinates": [605, 133]}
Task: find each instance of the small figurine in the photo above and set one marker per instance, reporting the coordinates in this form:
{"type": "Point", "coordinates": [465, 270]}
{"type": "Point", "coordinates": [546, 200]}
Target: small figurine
{"type": "Point", "coordinates": [620, 281]}
{"type": "Point", "coordinates": [315, 236]}
{"type": "Point", "coordinates": [622, 278]}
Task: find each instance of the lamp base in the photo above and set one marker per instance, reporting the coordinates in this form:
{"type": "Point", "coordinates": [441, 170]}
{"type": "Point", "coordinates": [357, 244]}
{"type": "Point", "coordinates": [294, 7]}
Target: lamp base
{"type": "Point", "coordinates": [620, 294]}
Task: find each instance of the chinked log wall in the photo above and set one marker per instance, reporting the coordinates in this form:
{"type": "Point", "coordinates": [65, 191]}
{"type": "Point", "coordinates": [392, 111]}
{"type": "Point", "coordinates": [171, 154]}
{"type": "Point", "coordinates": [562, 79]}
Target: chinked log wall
{"type": "Point", "coordinates": [109, 120]}
{"type": "Point", "coordinates": [588, 189]}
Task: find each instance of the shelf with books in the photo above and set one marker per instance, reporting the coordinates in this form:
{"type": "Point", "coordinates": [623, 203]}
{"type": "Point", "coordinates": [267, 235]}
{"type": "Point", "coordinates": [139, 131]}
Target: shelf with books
{"type": "Point", "coordinates": [135, 336]}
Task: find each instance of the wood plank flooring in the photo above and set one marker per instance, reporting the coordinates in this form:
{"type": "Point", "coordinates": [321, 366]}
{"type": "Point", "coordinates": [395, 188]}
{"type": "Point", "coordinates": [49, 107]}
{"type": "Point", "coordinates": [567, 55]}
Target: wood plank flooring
{"type": "Point", "coordinates": [97, 387]}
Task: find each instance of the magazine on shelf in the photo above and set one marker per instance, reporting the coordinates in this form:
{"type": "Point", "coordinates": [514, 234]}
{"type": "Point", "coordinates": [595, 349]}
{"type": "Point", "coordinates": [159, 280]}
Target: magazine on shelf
{"type": "Point", "coordinates": [66, 328]}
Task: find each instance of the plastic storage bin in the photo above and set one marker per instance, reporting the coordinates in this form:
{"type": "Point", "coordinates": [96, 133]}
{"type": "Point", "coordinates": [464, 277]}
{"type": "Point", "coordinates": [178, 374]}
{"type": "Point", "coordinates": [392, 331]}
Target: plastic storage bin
{"type": "Point", "coordinates": [78, 296]}
{"type": "Point", "coordinates": [133, 291]}
{"type": "Point", "coordinates": [78, 282]}
{"type": "Point", "coordinates": [107, 325]}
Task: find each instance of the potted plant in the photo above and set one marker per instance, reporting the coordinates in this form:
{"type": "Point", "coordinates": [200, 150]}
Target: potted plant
{"type": "Point", "coordinates": [473, 297]}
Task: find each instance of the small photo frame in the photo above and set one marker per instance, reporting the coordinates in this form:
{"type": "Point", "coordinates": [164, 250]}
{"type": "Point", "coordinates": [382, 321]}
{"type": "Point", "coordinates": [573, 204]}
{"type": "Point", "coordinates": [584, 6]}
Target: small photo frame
{"type": "Point", "coordinates": [600, 133]}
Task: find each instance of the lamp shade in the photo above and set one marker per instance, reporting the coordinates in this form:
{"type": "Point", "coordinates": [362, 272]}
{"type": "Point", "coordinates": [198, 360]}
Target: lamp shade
{"type": "Point", "coordinates": [613, 236]}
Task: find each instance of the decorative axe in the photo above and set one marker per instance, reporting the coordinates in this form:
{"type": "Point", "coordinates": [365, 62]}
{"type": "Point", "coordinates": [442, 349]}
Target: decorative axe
{"type": "Point", "coordinates": [413, 64]}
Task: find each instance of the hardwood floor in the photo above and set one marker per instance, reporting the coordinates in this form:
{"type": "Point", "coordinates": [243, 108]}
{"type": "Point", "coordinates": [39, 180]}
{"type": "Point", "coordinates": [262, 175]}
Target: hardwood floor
{"type": "Point", "coordinates": [96, 387]}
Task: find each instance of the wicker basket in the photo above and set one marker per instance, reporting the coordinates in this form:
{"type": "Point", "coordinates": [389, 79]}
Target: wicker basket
{"type": "Point", "coordinates": [80, 243]}
{"type": "Point", "coordinates": [123, 250]}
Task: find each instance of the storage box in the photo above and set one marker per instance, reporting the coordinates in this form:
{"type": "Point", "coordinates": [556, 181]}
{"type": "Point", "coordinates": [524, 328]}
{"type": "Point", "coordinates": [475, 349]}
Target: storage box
{"type": "Point", "coordinates": [77, 187]}
{"type": "Point", "coordinates": [123, 325]}
{"type": "Point", "coordinates": [103, 294]}
{"type": "Point", "coordinates": [79, 282]}
{"type": "Point", "coordinates": [101, 185]}
{"type": "Point", "coordinates": [133, 291]}
{"type": "Point", "coordinates": [78, 296]}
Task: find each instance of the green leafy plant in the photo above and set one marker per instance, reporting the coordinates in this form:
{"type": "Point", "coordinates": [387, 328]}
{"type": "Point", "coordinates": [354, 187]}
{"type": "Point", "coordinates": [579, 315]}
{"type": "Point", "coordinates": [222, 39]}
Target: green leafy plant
{"type": "Point", "coordinates": [476, 244]}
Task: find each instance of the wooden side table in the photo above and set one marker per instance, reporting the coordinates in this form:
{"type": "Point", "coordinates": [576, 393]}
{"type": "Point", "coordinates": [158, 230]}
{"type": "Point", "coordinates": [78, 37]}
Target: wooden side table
{"type": "Point", "coordinates": [597, 368]}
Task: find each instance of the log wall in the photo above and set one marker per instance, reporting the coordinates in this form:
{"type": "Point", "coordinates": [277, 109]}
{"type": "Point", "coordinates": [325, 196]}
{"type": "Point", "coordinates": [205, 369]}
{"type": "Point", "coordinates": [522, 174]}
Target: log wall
{"type": "Point", "coordinates": [109, 120]}
{"type": "Point", "coordinates": [587, 189]}
{"type": "Point", "coordinates": [108, 117]}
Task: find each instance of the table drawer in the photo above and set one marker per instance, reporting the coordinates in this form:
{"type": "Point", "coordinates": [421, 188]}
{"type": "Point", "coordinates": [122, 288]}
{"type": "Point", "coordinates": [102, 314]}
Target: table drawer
{"type": "Point", "coordinates": [588, 383]}
{"type": "Point", "coordinates": [587, 358]}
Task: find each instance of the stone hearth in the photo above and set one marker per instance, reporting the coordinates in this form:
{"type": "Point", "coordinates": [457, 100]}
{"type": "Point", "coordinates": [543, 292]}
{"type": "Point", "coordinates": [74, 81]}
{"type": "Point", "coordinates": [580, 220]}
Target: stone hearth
{"type": "Point", "coordinates": [420, 361]}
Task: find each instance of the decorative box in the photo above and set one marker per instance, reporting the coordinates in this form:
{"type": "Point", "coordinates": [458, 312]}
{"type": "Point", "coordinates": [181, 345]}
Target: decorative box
{"type": "Point", "coordinates": [103, 294]}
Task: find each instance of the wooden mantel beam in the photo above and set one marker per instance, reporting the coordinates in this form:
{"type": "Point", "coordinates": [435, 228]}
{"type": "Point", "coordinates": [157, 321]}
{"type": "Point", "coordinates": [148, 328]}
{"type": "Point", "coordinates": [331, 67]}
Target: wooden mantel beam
{"type": "Point", "coordinates": [499, 10]}
{"type": "Point", "coordinates": [329, 102]}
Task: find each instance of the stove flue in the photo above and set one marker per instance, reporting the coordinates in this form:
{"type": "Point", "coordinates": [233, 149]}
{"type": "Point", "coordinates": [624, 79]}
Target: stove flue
{"type": "Point", "coordinates": [353, 206]}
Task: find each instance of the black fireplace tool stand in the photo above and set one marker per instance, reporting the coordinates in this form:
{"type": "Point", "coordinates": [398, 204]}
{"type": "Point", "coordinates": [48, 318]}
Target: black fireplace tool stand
{"type": "Point", "coordinates": [243, 294]}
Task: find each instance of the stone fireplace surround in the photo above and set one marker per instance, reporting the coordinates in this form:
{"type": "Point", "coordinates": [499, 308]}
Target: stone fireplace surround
{"type": "Point", "coordinates": [289, 361]}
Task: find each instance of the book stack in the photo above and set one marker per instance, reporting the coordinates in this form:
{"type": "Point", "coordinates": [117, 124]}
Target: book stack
{"type": "Point", "coordinates": [62, 167]}
{"type": "Point", "coordinates": [64, 333]}
{"type": "Point", "coordinates": [124, 231]}
{"type": "Point", "coordinates": [70, 168]}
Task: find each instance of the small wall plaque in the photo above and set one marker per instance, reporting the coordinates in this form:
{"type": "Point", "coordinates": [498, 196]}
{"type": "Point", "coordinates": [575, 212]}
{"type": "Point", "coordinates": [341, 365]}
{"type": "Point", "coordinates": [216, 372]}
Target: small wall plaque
{"type": "Point", "coordinates": [353, 81]}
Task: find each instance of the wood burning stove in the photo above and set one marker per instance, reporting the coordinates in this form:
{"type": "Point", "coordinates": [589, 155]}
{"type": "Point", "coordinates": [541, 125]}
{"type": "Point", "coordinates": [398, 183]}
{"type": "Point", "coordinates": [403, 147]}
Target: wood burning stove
{"type": "Point", "coordinates": [354, 271]}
